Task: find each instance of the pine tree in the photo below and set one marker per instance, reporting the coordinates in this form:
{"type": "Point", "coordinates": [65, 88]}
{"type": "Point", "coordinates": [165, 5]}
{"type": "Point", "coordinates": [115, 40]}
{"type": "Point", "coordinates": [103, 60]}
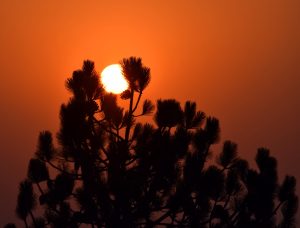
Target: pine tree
{"type": "Point", "coordinates": [109, 170]}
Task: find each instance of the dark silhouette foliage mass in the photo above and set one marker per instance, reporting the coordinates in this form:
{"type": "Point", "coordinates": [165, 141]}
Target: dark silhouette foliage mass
{"type": "Point", "coordinates": [108, 170]}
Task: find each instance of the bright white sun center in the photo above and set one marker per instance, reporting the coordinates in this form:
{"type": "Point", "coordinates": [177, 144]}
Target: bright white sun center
{"type": "Point", "coordinates": [113, 80]}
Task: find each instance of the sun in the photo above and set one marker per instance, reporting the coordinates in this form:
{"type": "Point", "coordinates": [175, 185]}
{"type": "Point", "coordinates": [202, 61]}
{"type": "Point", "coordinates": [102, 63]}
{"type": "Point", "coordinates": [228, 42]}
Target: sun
{"type": "Point", "coordinates": [113, 80]}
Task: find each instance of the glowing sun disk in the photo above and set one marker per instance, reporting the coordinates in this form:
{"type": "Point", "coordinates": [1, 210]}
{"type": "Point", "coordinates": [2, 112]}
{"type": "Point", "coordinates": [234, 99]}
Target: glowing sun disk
{"type": "Point", "coordinates": [113, 80]}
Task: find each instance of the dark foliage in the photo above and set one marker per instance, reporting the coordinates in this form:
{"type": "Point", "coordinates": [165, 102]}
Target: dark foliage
{"type": "Point", "coordinates": [111, 171]}
{"type": "Point", "coordinates": [10, 225]}
{"type": "Point", "coordinates": [26, 201]}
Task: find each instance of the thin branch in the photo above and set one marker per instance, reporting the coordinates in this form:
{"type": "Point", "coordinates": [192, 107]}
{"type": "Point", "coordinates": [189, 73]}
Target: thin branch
{"type": "Point", "coordinates": [107, 130]}
{"type": "Point", "coordinates": [40, 189]}
{"type": "Point", "coordinates": [33, 219]}
{"type": "Point", "coordinates": [138, 115]}
{"type": "Point", "coordinates": [161, 218]}
{"type": "Point", "coordinates": [276, 209]}
{"type": "Point", "coordinates": [131, 161]}
{"type": "Point", "coordinates": [211, 214]}
{"type": "Point", "coordinates": [25, 222]}
{"type": "Point", "coordinates": [77, 176]}
{"type": "Point", "coordinates": [137, 102]}
{"type": "Point", "coordinates": [227, 201]}
{"type": "Point", "coordinates": [127, 131]}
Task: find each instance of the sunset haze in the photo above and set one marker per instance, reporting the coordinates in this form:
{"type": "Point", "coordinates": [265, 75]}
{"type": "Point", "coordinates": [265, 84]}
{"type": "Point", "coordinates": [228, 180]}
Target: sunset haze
{"type": "Point", "coordinates": [239, 60]}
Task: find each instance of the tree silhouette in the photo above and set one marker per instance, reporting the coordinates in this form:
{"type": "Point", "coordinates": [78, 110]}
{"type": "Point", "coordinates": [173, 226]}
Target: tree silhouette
{"type": "Point", "coordinates": [109, 170]}
{"type": "Point", "coordinates": [26, 201]}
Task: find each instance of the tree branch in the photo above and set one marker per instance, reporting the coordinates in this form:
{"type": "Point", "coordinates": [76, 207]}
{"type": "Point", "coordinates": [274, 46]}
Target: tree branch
{"type": "Point", "coordinates": [137, 102]}
{"type": "Point", "coordinates": [127, 131]}
{"type": "Point", "coordinates": [77, 176]}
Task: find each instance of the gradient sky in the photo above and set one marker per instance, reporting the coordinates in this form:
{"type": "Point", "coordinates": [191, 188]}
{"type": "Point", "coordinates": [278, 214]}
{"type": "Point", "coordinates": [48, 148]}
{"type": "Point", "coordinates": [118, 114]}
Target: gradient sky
{"type": "Point", "coordinates": [239, 60]}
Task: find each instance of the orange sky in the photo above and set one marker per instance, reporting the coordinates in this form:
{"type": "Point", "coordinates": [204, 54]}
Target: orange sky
{"type": "Point", "coordinates": [240, 60]}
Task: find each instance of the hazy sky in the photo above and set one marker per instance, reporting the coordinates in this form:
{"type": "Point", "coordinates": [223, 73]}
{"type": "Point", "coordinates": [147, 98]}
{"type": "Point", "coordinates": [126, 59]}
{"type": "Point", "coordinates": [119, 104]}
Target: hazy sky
{"type": "Point", "coordinates": [240, 60]}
